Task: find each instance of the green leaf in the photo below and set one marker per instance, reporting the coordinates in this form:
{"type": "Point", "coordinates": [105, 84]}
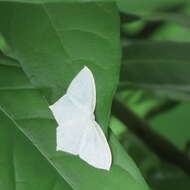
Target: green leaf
{"type": "Point", "coordinates": [172, 178]}
{"type": "Point", "coordinates": [146, 7]}
{"type": "Point", "coordinates": [20, 168]}
{"type": "Point", "coordinates": [181, 19]}
{"type": "Point", "coordinates": [126, 5]}
{"type": "Point", "coordinates": [157, 65]}
{"type": "Point", "coordinates": [172, 32]}
{"type": "Point", "coordinates": [28, 111]}
{"type": "Point", "coordinates": [159, 174]}
{"type": "Point", "coordinates": [55, 1]}
{"type": "Point", "coordinates": [58, 40]}
{"type": "Point", "coordinates": [176, 130]}
{"type": "Point", "coordinates": [140, 101]}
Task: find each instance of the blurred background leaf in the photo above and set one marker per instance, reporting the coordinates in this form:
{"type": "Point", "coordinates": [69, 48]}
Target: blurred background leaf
{"type": "Point", "coordinates": [157, 65]}
{"type": "Point", "coordinates": [177, 130]}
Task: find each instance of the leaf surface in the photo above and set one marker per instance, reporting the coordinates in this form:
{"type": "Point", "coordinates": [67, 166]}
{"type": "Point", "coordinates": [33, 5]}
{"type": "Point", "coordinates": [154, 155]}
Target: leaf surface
{"type": "Point", "coordinates": [58, 40]}
{"type": "Point", "coordinates": [157, 65]}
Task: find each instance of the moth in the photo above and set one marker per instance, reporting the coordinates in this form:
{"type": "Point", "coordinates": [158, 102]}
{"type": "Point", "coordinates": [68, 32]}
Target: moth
{"type": "Point", "coordinates": [78, 133]}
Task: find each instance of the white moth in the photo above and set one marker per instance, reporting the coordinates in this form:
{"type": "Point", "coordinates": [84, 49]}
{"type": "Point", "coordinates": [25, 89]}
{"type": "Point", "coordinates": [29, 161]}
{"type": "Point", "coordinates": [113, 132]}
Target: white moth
{"type": "Point", "coordinates": [78, 133]}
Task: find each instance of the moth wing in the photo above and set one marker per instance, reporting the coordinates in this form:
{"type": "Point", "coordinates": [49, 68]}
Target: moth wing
{"type": "Point", "coordinates": [70, 124]}
{"type": "Point", "coordinates": [94, 148]}
{"type": "Point", "coordinates": [82, 90]}
{"type": "Point", "coordinates": [65, 110]}
{"type": "Point", "coordinates": [69, 137]}
{"type": "Point", "coordinates": [72, 109]}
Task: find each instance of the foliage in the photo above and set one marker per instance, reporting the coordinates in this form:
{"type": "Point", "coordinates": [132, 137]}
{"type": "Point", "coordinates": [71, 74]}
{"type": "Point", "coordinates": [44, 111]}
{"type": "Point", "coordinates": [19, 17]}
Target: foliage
{"type": "Point", "coordinates": [43, 44]}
